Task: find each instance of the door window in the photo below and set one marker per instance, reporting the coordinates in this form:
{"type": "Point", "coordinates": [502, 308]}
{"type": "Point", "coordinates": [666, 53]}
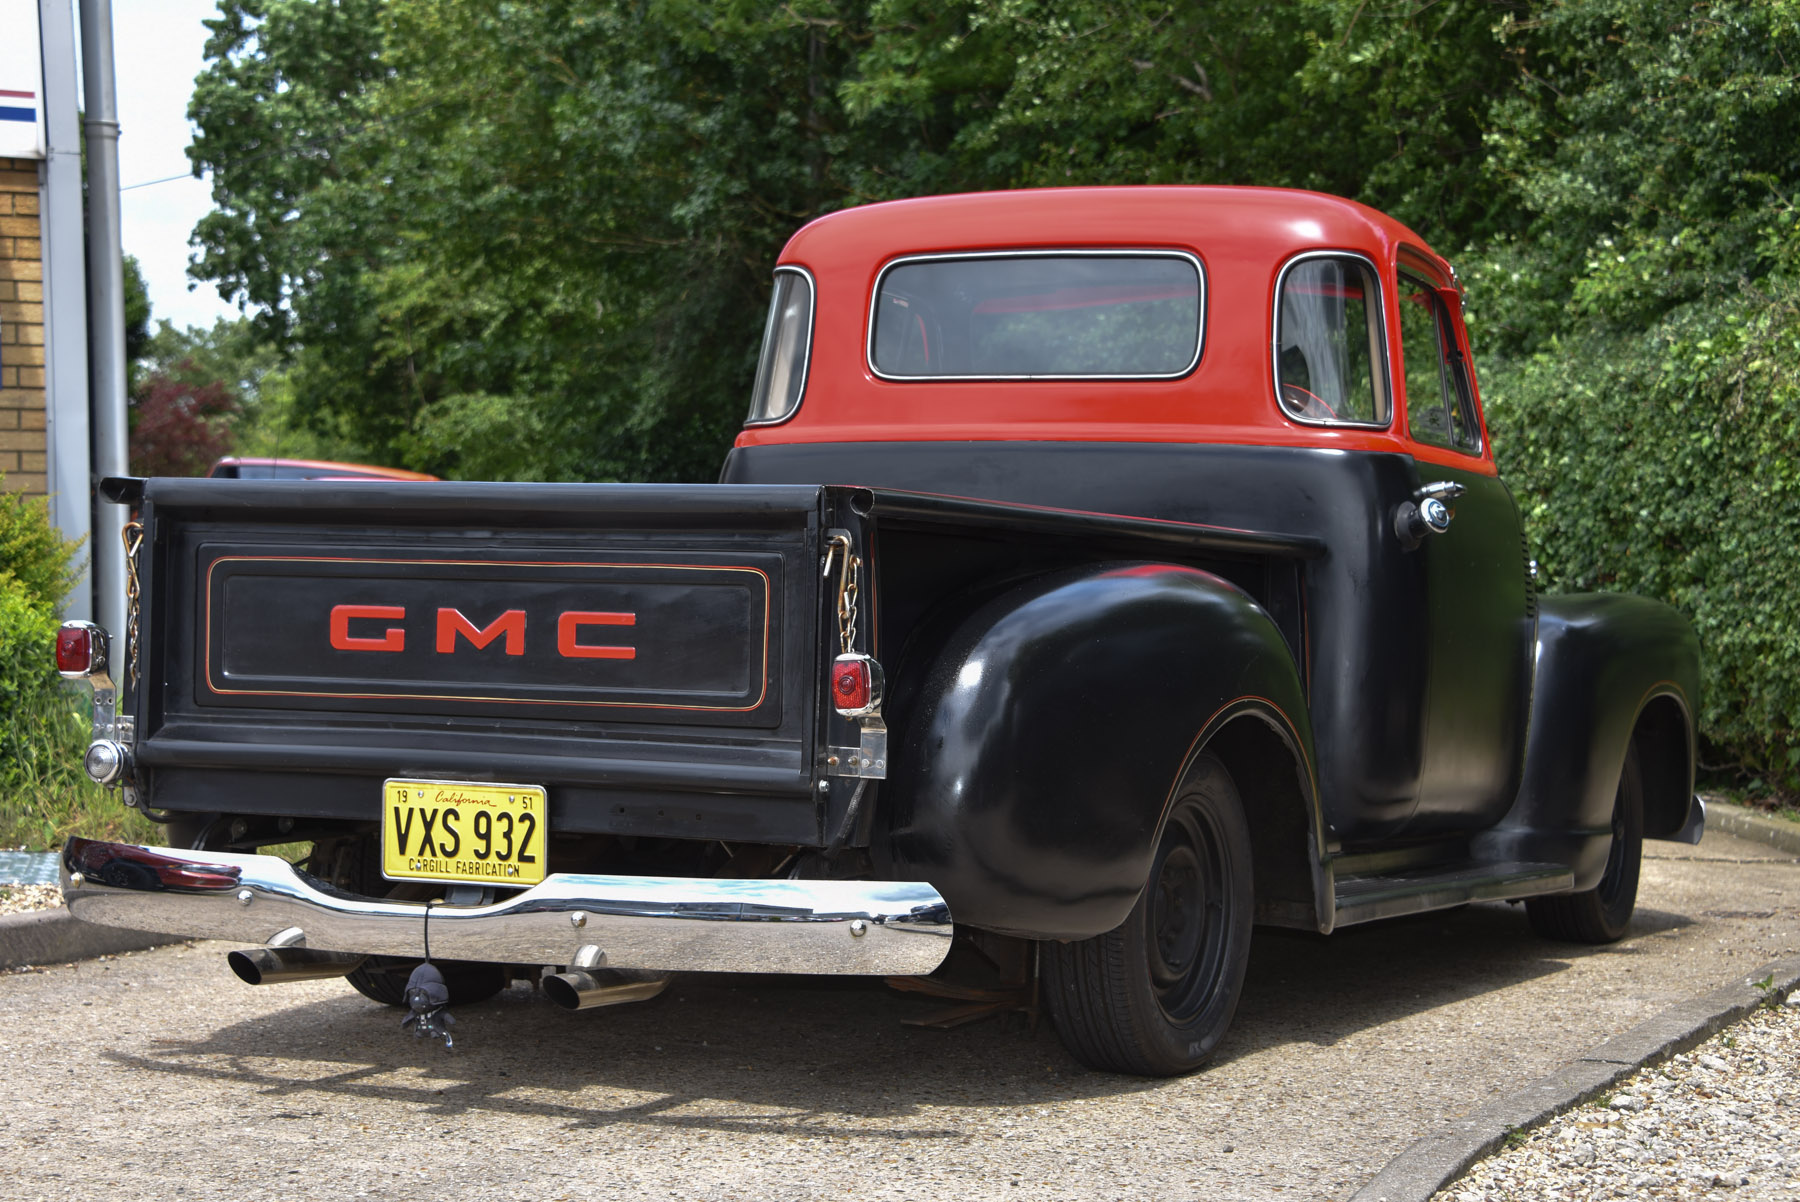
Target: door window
{"type": "Point", "coordinates": [1440, 405]}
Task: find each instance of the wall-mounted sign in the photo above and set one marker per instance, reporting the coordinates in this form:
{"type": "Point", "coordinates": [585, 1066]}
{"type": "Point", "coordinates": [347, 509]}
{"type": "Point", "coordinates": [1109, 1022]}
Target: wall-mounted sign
{"type": "Point", "coordinates": [21, 81]}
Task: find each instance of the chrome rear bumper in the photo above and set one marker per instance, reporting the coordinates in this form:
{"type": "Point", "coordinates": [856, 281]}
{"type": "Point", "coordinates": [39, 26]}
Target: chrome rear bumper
{"type": "Point", "coordinates": [670, 924]}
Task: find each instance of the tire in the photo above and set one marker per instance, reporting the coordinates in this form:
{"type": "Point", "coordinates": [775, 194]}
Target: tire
{"type": "Point", "coordinates": [196, 832]}
{"type": "Point", "coordinates": [383, 979]}
{"type": "Point", "coordinates": [1601, 914]}
{"type": "Point", "coordinates": [355, 865]}
{"type": "Point", "coordinates": [1154, 996]}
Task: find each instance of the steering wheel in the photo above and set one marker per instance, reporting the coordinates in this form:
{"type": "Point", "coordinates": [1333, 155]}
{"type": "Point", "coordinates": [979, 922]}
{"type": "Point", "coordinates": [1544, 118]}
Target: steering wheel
{"type": "Point", "coordinates": [1310, 404]}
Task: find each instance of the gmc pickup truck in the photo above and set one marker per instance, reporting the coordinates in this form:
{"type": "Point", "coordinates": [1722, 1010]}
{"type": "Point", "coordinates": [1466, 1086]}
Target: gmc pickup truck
{"type": "Point", "coordinates": [1100, 573]}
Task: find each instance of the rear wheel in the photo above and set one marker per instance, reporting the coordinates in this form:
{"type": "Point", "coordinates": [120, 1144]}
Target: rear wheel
{"type": "Point", "coordinates": [354, 863]}
{"type": "Point", "coordinates": [196, 832]}
{"type": "Point", "coordinates": [1155, 995]}
{"type": "Point", "coordinates": [1601, 914]}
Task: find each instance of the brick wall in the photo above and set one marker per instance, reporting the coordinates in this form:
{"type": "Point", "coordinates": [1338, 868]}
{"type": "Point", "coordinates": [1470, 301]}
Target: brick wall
{"type": "Point", "coordinates": [21, 329]}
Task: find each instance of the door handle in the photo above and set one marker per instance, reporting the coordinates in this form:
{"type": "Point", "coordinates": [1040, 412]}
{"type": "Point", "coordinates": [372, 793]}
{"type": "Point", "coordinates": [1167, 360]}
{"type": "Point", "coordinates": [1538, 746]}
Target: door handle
{"type": "Point", "coordinates": [1426, 513]}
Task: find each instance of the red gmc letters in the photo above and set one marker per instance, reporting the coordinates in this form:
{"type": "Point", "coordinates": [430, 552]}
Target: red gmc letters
{"type": "Point", "coordinates": [508, 628]}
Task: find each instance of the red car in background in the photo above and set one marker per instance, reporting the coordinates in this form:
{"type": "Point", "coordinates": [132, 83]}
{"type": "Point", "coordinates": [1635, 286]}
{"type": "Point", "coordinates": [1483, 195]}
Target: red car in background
{"type": "Point", "coordinates": [234, 467]}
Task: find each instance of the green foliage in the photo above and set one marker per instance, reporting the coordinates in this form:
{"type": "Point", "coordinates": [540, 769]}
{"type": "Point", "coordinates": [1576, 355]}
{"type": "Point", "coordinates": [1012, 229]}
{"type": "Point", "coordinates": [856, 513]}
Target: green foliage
{"type": "Point", "coordinates": [558, 221]}
{"type": "Point", "coordinates": [35, 560]}
{"type": "Point", "coordinates": [1237, 92]}
{"type": "Point", "coordinates": [1668, 464]}
{"type": "Point", "coordinates": [44, 794]}
{"type": "Point", "coordinates": [238, 355]}
{"type": "Point", "coordinates": [1652, 151]}
{"type": "Point", "coordinates": [231, 352]}
{"type": "Point", "coordinates": [1645, 398]}
{"type": "Point", "coordinates": [137, 320]}
{"type": "Point", "coordinates": [28, 680]}
{"type": "Point", "coordinates": [554, 206]}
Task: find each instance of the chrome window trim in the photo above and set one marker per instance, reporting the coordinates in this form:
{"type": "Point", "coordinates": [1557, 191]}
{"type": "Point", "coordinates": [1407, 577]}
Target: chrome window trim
{"type": "Point", "coordinates": [1441, 314]}
{"type": "Point", "coordinates": [1380, 311]}
{"type": "Point", "coordinates": [812, 317]}
{"type": "Point", "coordinates": [1129, 252]}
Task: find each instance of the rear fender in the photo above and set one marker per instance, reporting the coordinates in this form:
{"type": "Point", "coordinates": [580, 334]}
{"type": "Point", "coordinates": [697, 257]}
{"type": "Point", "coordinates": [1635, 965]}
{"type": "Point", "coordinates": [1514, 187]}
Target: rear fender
{"type": "Point", "coordinates": [1609, 666]}
{"type": "Point", "coordinates": [1044, 737]}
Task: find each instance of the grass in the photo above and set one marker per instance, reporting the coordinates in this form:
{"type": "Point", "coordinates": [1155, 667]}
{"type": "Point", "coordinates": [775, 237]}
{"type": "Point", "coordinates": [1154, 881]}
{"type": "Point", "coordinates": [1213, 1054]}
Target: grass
{"type": "Point", "coordinates": [45, 796]}
{"type": "Point", "coordinates": [40, 816]}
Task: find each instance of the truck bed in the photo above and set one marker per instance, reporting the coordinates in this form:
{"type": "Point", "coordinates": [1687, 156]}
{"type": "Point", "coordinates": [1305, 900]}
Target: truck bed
{"type": "Point", "coordinates": [651, 654]}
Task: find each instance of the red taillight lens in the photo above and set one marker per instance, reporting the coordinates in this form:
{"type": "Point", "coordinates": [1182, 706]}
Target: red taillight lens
{"type": "Point", "coordinates": [851, 684]}
{"type": "Point", "coordinates": [856, 685]}
{"type": "Point", "coordinates": [75, 648]}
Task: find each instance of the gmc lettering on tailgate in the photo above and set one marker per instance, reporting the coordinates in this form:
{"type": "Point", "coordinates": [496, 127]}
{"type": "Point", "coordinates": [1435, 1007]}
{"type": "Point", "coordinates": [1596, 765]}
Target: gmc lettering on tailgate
{"type": "Point", "coordinates": [451, 623]}
{"type": "Point", "coordinates": [488, 634]}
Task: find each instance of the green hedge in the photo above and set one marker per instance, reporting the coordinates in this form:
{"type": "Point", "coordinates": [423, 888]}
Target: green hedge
{"type": "Point", "coordinates": [35, 570]}
{"type": "Point", "coordinates": [1668, 464]}
{"type": "Point", "coordinates": [30, 696]}
{"type": "Point", "coordinates": [44, 794]}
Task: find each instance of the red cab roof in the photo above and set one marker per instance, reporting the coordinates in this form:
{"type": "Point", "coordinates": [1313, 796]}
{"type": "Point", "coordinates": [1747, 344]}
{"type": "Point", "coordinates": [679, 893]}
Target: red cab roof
{"type": "Point", "coordinates": [1242, 237]}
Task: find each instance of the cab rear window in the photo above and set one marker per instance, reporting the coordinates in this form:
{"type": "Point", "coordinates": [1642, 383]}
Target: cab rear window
{"type": "Point", "coordinates": [1063, 315]}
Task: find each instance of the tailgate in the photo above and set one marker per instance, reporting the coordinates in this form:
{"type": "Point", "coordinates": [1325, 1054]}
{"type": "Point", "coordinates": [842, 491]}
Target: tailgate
{"type": "Point", "coordinates": [649, 653]}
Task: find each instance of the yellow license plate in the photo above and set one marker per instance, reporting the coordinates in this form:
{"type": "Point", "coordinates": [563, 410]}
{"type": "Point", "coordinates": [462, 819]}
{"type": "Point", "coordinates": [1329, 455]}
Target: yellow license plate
{"type": "Point", "coordinates": [446, 830]}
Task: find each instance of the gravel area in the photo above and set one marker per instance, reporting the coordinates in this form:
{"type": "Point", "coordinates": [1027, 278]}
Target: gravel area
{"type": "Point", "coordinates": [17, 899]}
{"type": "Point", "coordinates": [1722, 1120]}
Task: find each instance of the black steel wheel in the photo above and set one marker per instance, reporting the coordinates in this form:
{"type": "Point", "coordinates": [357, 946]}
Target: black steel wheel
{"type": "Point", "coordinates": [1155, 995]}
{"type": "Point", "coordinates": [354, 863]}
{"type": "Point", "coordinates": [1601, 914]}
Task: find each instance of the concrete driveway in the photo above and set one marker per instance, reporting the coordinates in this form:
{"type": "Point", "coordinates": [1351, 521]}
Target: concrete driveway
{"type": "Point", "coordinates": [159, 1074]}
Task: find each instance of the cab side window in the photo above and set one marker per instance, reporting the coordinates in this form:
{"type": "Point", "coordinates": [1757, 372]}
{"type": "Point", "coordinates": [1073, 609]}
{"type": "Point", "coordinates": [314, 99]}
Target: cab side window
{"type": "Point", "coordinates": [1440, 405]}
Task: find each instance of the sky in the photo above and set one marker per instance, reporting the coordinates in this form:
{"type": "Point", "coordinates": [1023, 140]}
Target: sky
{"type": "Point", "coordinates": [157, 47]}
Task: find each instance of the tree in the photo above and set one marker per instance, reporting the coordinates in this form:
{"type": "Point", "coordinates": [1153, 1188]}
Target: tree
{"type": "Point", "coordinates": [534, 241]}
{"type": "Point", "coordinates": [182, 426]}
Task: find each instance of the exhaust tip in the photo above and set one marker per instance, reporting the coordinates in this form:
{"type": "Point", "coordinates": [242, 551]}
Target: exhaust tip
{"type": "Point", "coordinates": [245, 966]}
{"type": "Point", "coordinates": [269, 965]}
{"type": "Point", "coordinates": [560, 990]}
{"type": "Point", "coordinates": [579, 990]}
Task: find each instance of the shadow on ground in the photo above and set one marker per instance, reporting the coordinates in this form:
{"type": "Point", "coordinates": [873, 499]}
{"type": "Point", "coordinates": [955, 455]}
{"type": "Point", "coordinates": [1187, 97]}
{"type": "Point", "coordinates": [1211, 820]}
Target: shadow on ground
{"type": "Point", "coordinates": [1316, 989]}
{"type": "Point", "coordinates": [786, 1054]}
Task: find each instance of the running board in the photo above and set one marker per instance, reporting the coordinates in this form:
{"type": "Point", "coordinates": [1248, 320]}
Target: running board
{"type": "Point", "coordinates": [1413, 890]}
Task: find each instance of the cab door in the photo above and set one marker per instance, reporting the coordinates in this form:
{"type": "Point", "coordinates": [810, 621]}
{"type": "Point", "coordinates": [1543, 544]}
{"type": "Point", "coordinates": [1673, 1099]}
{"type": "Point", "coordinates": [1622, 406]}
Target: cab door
{"type": "Point", "coordinates": [1479, 606]}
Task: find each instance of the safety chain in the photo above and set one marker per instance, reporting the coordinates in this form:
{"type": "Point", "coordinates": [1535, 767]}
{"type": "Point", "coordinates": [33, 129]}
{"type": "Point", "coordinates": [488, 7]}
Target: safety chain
{"type": "Point", "coordinates": [849, 577]}
{"type": "Point", "coordinates": [134, 538]}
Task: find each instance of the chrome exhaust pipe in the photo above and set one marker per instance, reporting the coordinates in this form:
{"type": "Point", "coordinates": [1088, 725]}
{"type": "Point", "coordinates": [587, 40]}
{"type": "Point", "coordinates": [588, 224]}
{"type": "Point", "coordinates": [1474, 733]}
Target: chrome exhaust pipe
{"type": "Point", "coordinates": [582, 989]}
{"type": "Point", "coordinates": [269, 965]}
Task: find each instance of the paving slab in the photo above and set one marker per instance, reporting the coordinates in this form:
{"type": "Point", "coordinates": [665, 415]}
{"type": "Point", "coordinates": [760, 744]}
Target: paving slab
{"type": "Point", "coordinates": [28, 867]}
